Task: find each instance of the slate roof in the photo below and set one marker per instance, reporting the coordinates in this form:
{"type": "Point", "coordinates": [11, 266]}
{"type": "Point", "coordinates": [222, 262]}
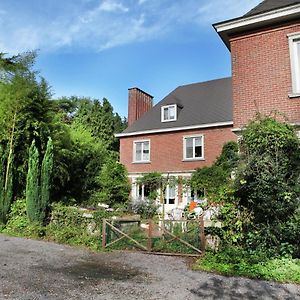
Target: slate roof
{"type": "Point", "coordinates": [198, 103]}
{"type": "Point", "coordinates": [269, 5]}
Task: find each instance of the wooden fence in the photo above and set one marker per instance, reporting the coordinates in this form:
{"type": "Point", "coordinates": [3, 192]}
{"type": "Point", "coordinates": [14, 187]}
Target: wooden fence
{"type": "Point", "coordinates": [162, 229]}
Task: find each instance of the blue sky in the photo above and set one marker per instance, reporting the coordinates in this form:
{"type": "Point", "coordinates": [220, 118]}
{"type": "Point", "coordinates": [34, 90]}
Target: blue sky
{"type": "Point", "coordinates": [100, 48]}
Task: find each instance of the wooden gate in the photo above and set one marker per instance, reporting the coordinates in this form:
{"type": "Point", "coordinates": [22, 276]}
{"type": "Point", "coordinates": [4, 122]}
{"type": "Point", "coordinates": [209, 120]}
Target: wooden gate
{"type": "Point", "coordinates": [162, 229]}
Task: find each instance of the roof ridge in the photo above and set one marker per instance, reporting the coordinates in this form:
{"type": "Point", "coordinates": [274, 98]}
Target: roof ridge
{"type": "Point", "coordinates": [254, 8]}
{"type": "Point", "coordinates": [203, 82]}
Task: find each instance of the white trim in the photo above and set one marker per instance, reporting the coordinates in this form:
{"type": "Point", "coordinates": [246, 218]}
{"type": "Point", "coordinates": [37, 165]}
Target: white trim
{"type": "Point", "coordinates": [294, 42]}
{"type": "Point", "coordinates": [173, 173]}
{"type": "Point", "coordinates": [274, 14]}
{"type": "Point", "coordinates": [208, 125]}
{"type": "Point", "coordinates": [162, 113]}
{"type": "Point", "coordinates": [184, 138]}
{"type": "Point", "coordinates": [134, 160]}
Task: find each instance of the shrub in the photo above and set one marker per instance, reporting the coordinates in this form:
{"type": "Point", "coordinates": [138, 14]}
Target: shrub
{"type": "Point", "coordinates": [146, 208]}
{"type": "Point", "coordinates": [68, 225]}
{"type": "Point", "coordinates": [238, 262]}
{"type": "Point", "coordinates": [267, 181]}
{"type": "Point", "coordinates": [18, 223]}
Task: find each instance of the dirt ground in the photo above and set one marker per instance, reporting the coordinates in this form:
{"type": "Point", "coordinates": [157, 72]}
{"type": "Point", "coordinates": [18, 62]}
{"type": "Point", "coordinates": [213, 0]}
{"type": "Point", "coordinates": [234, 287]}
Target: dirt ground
{"type": "Point", "coordinates": [41, 270]}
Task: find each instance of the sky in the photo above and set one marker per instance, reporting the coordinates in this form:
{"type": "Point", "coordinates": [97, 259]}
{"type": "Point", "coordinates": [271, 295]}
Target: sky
{"type": "Point", "coordinates": [100, 48]}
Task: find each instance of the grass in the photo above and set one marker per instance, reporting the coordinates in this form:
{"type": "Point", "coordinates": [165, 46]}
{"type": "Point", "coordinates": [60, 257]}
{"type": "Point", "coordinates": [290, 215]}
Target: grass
{"type": "Point", "coordinates": [236, 262]}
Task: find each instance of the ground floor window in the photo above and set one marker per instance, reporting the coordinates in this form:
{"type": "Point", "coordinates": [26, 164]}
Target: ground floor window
{"type": "Point", "coordinates": [142, 191]}
{"type": "Point", "coordinates": [170, 194]}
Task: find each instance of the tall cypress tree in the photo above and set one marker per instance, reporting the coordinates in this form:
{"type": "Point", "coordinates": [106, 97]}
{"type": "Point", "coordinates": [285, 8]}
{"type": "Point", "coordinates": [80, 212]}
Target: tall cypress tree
{"type": "Point", "coordinates": [46, 172]}
{"type": "Point", "coordinates": [6, 184]}
{"type": "Point", "coordinates": [32, 185]}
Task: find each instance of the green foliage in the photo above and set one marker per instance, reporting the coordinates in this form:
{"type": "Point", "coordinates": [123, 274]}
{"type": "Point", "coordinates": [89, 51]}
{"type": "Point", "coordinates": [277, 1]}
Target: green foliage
{"type": "Point", "coordinates": [32, 185]}
{"type": "Point", "coordinates": [213, 180]}
{"type": "Point", "coordinates": [46, 171]}
{"type": "Point", "coordinates": [68, 225]}
{"type": "Point", "coordinates": [6, 184]}
{"type": "Point", "coordinates": [26, 113]}
{"type": "Point", "coordinates": [153, 181]}
{"type": "Point", "coordinates": [267, 182]}
{"type": "Point", "coordinates": [113, 184]}
{"type": "Point", "coordinates": [238, 262]}
{"type": "Point", "coordinates": [147, 208]}
{"type": "Point", "coordinates": [18, 223]}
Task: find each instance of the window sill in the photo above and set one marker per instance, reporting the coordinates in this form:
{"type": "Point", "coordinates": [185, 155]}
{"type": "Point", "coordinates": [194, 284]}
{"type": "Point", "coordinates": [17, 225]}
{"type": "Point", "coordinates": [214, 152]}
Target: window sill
{"type": "Point", "coordinates": [142, 162]}
{"type": "Point", "coordinates": [294, 95]}
{"type": "Point", "coordinates": [193, 159]}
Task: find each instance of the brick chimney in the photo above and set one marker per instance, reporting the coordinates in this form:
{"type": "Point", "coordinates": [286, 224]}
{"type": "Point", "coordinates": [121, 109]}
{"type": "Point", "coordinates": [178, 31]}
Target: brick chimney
{"type": "Point", "coordinates": [139, 102]}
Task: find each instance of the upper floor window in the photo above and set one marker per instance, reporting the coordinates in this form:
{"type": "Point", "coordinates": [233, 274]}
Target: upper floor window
{"type": "Point", "coordinates": [193, 147]}
{"type": "Point", "coordinates": [294, 41]}
{"type": "Point", "coordinates": [141, 151]}
{"type": "Point", "coordinates": [169, 113]}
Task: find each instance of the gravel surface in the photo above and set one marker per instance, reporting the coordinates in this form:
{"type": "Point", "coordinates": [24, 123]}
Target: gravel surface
{"type": "Point", "coordinates": [42, 270]}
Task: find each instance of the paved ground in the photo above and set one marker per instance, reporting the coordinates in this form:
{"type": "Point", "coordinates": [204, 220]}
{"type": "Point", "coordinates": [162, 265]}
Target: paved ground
{"type": "Point", "coordinates": [39, 270]}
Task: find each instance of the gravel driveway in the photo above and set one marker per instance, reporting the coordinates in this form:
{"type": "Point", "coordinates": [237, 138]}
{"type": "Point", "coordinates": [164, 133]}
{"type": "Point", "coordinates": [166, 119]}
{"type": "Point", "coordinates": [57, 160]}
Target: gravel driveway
{"type": "Point", "coordinates": [42, 270]}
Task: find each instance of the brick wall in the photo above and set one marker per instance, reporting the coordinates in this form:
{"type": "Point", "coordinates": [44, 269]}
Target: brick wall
{"type": "Point", "coordinates": [139, 103]}
{"type": "Point", "coordinates": [262, 75]}
{"type": "Point", "coordinates": [167, 150]}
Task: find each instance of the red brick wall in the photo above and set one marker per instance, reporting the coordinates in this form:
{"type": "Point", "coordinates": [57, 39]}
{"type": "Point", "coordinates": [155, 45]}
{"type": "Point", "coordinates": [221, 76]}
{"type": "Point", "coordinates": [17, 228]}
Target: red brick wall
{"type": "Point", "coordinates": [262, 75]}
{"type": "Point", "coordinates": [167, 150]}
{"type": "Point", "coordinates": [139, 103]}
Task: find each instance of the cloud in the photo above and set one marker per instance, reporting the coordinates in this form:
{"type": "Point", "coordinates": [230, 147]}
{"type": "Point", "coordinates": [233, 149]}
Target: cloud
{"type": "Point", "coordinates": [140, 2]}
{"type": "Point", "coordinates": [99, 25]}
{"type": "Point", "coordinates": [112, 6]}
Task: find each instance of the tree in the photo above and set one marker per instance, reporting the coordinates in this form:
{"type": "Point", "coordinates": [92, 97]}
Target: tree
{"type": "Point", "coordinates": [6, 184]}
{"type": "Point", "coordinates": [32, 185]}
{"type": "Point", "coordinates": [38, 182]}
{"type": "Point", "coordinates": [46, 171]}
{"type": "Point", "coordinates": [26, 113]}
{"type": "Point", "coordinates": [113, 184]}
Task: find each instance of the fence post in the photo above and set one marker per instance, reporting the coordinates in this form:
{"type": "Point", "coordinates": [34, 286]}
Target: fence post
{"type": "Point", "coordinates": [149, 245]}
{"type": "Point", "coordinates": [104, 233]}
{"type": "Point", "coordinates": [202, 234]}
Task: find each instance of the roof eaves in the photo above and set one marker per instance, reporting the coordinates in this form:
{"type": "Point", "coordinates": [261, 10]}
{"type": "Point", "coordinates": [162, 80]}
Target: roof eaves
{"type": "Point", "coordinates": [164, 130]}
{"type": "Point", "coordinates": [244, 22]}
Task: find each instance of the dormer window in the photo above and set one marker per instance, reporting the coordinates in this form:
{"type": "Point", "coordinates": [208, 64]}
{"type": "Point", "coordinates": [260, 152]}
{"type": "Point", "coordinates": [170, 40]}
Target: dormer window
{"type": "Point", "coordinates": [294, 41]}
{"type": "Point", "coordinates": [169, 113]}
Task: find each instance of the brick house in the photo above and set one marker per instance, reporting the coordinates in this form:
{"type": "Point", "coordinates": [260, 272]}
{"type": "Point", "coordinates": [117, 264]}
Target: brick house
{"type": "Point", "coordinates": [187, 129]}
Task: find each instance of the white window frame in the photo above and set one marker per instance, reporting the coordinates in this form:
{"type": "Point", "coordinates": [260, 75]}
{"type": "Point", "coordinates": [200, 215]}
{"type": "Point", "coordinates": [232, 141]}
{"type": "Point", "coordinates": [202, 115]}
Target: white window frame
{"type": "Point", "coordinates": [134, 151]}
{"type": "Point", "coordinates": [184, 147]}
{"type": "Point", "coordinates": [163, 115]}
{"type": "Point", "coordinates": [167, 195]}
{"type": "Point", "coordinates": [294, 39]}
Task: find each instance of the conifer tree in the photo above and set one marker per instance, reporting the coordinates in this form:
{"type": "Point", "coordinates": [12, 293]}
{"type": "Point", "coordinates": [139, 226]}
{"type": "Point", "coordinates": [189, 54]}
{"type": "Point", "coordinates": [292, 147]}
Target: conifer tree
{"type": "Point", "coordinates": [32, 185]}
{"type": "Point", "coordinates": [6, 184]}
{"type": "Point", "coordinates": [46, 172]}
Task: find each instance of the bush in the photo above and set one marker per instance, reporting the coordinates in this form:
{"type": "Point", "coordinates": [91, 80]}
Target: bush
{"type": "Point", "coordinates": [18, 223]}
{"type": "Point", "coordinates": [238, 262]}
{"type": "Point", "coordinates": [146, 208]}
{"type": "Point", "coordinates": [213, 180]}
{"type": "Point", "coordinates": [267, 182]}
{"type": "Point", "coordinates": [68, 225]}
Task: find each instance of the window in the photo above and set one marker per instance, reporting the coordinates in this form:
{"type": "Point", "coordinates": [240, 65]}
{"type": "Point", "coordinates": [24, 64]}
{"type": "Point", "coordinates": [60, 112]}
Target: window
{"type": "Point", "coordinates": [169, 113]}
{"type": "Point", "coordinates": [294, 41]}
{"type": "Point", "coordinates": [170, 195]}
{"type": "Point", "coordinates": [193, 147]}
{"type": "Point", "coordinates": [141, 151]}
{"type": "Point", "coordinates": [142, 191]}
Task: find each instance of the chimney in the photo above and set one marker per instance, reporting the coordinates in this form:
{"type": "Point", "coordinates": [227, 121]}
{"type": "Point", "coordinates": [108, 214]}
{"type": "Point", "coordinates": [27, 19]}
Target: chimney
{"type": "Point", "coordinates": [139, 102]}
